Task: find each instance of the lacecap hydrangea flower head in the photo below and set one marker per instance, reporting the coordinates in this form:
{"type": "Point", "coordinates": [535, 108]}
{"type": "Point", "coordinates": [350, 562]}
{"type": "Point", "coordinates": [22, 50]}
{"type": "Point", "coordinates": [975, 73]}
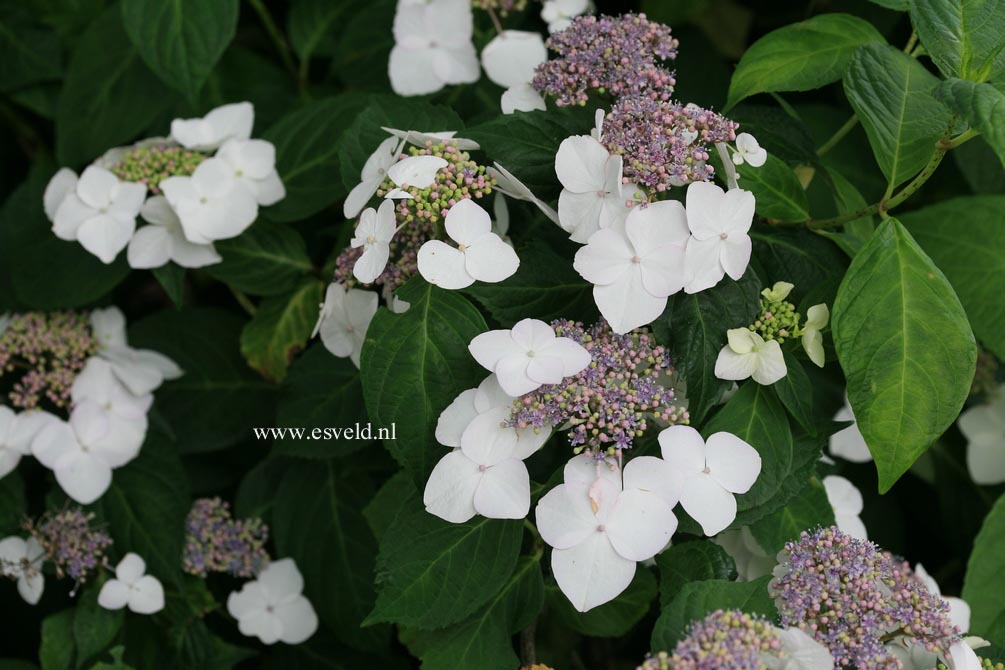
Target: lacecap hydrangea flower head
{"type": "Point", "coordinates": [203, 183]}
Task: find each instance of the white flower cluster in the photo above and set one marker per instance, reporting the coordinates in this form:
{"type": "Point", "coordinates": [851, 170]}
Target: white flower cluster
{"type": "Point", "coordinates": [600, 521]}
{"type": "Point", "coordinates": [433, 49]}
{"type": "Point", "coordinates": [272, 606]}
{"type": "Point", "coordinates": [231, 175]}
{"type": "Point", "coordinates": [108, 422]}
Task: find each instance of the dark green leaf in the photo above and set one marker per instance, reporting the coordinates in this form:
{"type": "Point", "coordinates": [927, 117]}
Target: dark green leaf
{"type": "Point", "coordinates": [963, 37]}
{"type": "Point", "coordinates": [796, 392]}
{"type": "Point", "coordinates": [12, 503]}
{"type": "Point", "coordinates": [280, 328]}
{"type": "Point", "coordinates": [892, 94]}
{"type": "Point", "coordinates": [414, 365]}
{"type": "Point", "coordinates": [982, 106]}
{"type": "Point", "coordinates": [146, 505]}
{"type": "Point", "coordinates": [800, 56]}
{"type": "Point", "coordinates": [905, 346]}
{"type": "Point", "coordinates": [312, 25]}
{"type": "Point", "coordinates": [806, 511]}
{"type": "Point", "coordinates": [698, 325]}
{"type": "Point", "coordinates": [181, 40]}
{"type": "Point", "coordinates": [391, 499]}
{"type": "Point", "coordinates": [779, 194]}
{"type": "Point", "coordinates": [109, 96]}
{"type": "Point", "coordinates": [971, 255]}
{"type": "Point", "coordinates": [698, 599]}
{"type": "Point", "coordinates": [219, 399]}
{"type": "Point", "coordinates": [267, 259]}
{"type": "Point", "coordinates": [308, 156]}
{"type": "Point", "coordinates": [545, 287]}
{"type": "Point", "coordinates": [28, 53]}
{"type": "Point", "coordinates": [696, 561]}
{"type": "Point", "coordinates": [56, 652]}
{"type": "Point", "coordinates": [94, 627]}
{"type": "Point", "coordinates": [333, 547]}
{"type": "Point", "coordinates": [431, 573]}
{"type": "Point", "coordinates": [614, 618]}
{"type": "Point", "coordinates": [812, 263]}
{"type": "Point", "coordinates": [984, 587]}
{"type": "Point", "coordinates": [980, 166]}
{"type": "Point", "coordinates": [321, 391]}
{"type": "Point", "coordinates": [171, 277]}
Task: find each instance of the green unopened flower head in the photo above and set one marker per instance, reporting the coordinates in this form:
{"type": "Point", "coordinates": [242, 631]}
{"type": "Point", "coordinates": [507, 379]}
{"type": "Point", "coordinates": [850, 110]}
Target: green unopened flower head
{"type": "Point", "coordinates": [778, 319]}
{"type": "Point", "coordinates": [152, 164]}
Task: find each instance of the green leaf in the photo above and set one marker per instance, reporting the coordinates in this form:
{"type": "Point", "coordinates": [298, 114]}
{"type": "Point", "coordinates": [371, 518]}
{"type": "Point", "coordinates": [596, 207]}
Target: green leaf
{"type": "Point", "coordinates": [905, 346]}
{"type": "Point", "coordinates": [256, 494]}
{"type": "Point", "coordinates": [308, 157]}
{"type": "Point", "coordinates": [982, 106]}
{"type": "Point", "coordinates": [146, 505]}
{"type": "Point", "coordinates": [29, 53]}
{"type": "Point", "coordinates": [389, 502]}
{"type": "Point", "coordinates": [171, 277]}
{"type": "Point", "coordinates": [698, 599]}
{"type": "Point", "coordinates": [612, 619]}
{"type": "Point", "coordinates": [267, 259]}
{"type": "Point", "coordinates": [431, 573]}
{"type": "Point", "coordinates": [971, 255]}
{"type": "Point", "coordinates": [984, 585]}
{"type": "Point", "coordinates": [109, 96]}
{"type": "Point", "coordinates": [219, 399]}
{"type": "Point", "coordinates": [321, 391]}
{"type": "Point", "coordinates": [776, 188]}
{"type": "Point", "coordinates": [47, 272]}
{"type": "Point", "coordinates": [363, 135]}
{"type": "Point", "coordinates": [484, 641]}
{"type": "Point", "coordinates": [892, 94]}
{"type": "Point", "coordinates": [808, 510]}
{"type": "Point", "coordinates": [897, 5]}
{"type": "Point", "coordinates": [333, 547]}
{"type": "Point", "coordinates": [13, 504]}
{"type": "Point", "coordinates": [981, 166]}
{"type": "Point", "coordinates": [94, 627]}
{"type": "Point", "coordinates": [755, 416]}
{"type": "Point", "coordinates": [312, 26]}
{"type": "Point", "coordinates": [281, 328]}
{"type": "Point", "coordinates": [698, 325]}
{"type": "Point", "coordinates": [57, 651]}
{"type": "Point", "coordinates": [696, 561]}
{"type": "Point", "coordinates": [544, 287]}
{"type": "Point", "coordinates": [796, 392]}
{"type": "Point", "coordinates": [414, 364]}
{"type": "Point", "coordinates": [181, 40]}
{"type": "Point", "coordinates": [526, 144]}
{"type": "Point", "coordinates": [963, 37]}
{"type": "Point", "coordinates": [815, 265]}
{"type": "Point", "coordinates": [800, 56]}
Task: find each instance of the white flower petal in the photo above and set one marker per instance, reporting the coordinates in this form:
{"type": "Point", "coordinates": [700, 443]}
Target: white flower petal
{"type": "Point", "coordinates": [504, 491]}
{"type": "Point", "coordinates": [114, 595]}
{"type": "Point", "coordinates": [281, 579]}
{"type": "Point", "coordinates": [450, 489]}
{"type": "Point", "coordinates": [130, 569]}
{"type": "Point", "coordinates": [848, 443]}
{"type": "Point", "coordinates": [575, 358]}
{"type": "Point", "coordinates": [149, 248]}
{"type": "Point", "coordinates": [592, 572]}
{"type": "Point", "coordinates": [708, 503]}
{"type": "Point", "coordinates": [521, 98]}
{"type": "Point", "coordinates": [487, 441]}
{"type": "Point", "coordinates": [733, 463]}
{"type": "Point", "coordinates": [683, 449]}
{"type": "Point", "coordinates": [702, 266]}
{"type": "Point", "coordinates": [60, 185]}
{"type": "Point", "coordinates": [456, 65]}
{"type": "Point", "coordinates": [443, 265]}
{"type": "Point", "coordinates": [770, 363]}
{"type": "Point", "coordinates": [735, 255]}
{"type": "Point", "coordinates": [360, 195]}
{"type": "Point", "coordinates": [411, 71]}
{"type": "Point", "coordinates": [371, 263]}
{"type": "Point", "coordinates": [511, 57]}
{"type": "Point", "coordinates": [843, 495]}
{"type": "Point", "coordinates": [579, 214]}
{"type": "Point", "coordinates": [640, 525]}
{"type": "Point", "coordinates": [418, 171]}
{"type": "Point", "coordinates": [802, 652]}
{"type": "Point", "coordinates": [467, 221]}
{"type": "Point", "coordinates": [83, 476]}
{"type": "Point", "coordinates": [146, 595]}
{"type": "Point", "coordinates": [606, 258]}
{"type": "Point", "coordinates": [491, 347]}
{"type": "Point", "coordinates": [580, 164]}
{"type": "Point", "coordinates": [456, 418]}
{"type": "Point", "coordinates": [626, 304]}
{"type": "Point", "coordinates": [648, 473]}
{"type": "Point", "coordinates": [489, 259]}
{"type": "Point", "coordinates": [564, 518]}
{"type": "Point", "coordinates": [298, 619]}
{"type": "Point", "coordinates": [105, 236]}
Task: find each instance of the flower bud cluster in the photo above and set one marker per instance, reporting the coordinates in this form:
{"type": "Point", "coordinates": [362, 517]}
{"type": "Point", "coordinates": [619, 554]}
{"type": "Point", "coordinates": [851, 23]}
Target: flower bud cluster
{"type": "Point", "coordinates": [48, 351]}
{"type": "Point", "coordinates": [854, 598]}
{"type": "Point", "coordinates": [152, 164]}
{"type": "Point", "coordinates": [615, 55]}
{"type": "Point", "coordinates": [778, 320]}
{"type": "Point", "coordinates": [663, 143]}
{"type": "Point", "coordinates": [70, 543]}
{"type": "Point", "coordinates": [723, 639]}
{"type": "Point", "coordinates": [611, 403]}
{"type": "Point", "coordinates": [216, 542]}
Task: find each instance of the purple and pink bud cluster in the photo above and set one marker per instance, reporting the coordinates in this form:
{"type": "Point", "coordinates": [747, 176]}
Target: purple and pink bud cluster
{"type": "Point", "coordinates": [70, 543]}
{"type": "Point", "coordinates": [723, 639]}
{"type": "Point", "coordinates": [614, 55]}
{"type": "Point", "coordinates": [216, 542]}
{"type": "Point", "coordinates": [609, 404]}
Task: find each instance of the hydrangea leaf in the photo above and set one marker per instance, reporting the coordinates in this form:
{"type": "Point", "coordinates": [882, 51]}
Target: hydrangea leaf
{"type": "Point", "coordinates": [94, 627]}
{"type": "Point", "coordinates": [892, 94]}
{"type": "Point", "coordinates": [181, 40]}
{"type": "Point", "coordinates": [905, 346]}
{"type": "Point", "coordinates": [267, 259]}
{"type": "Point", "coordinates": [801, 56]}
{"type": "Point", "coordinates": [696, 561]}
{"type": "Point", "coordinates": [983, 108]}
{"type": "Point", "coordinates": [321, 391]}
{"type": "Point", "coordinates": [432, 574]}
{"type": "Point", "coordinates": [414, 364]}
{"type": "Point", "coordinates": [109, 96]}
{"type": "Point", "coordinates": [13, 505]}
{"type": "Point", "coordinates": [984, 585]}
{"type": "Point", "coordinates": [280, 328]}
{"type": "Point", "coordinates": [796, 393]}
{"type": "Point", "coordinates": [962, 37]}
{"type": "Point", "coordinates": [779, 194]}
{"type": "Point", "coordinates": [218, 399]}
{"type": "Point", "coordinates": [612, 619]}
{"type": "Point", "coordinates": [333, 547]}
{"type": "Point", "coordinates": [697, 599]}
{"type": "Point", "coordinates": [809, 509]}
{"type": "Point", "coordinates": [972, 256]}
{"type": "Point", "coordinates": [485, 640]}
{"type": "Point", "coordinates": [57, 649]}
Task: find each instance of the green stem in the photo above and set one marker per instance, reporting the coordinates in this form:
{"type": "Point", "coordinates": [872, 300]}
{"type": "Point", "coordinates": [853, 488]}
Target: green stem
{"type": "Point", "coordinates": [838, 135]}
{"type": "Point", "coordinates": [276, 36]}
{"type": "Point", "coordinates": [911, 42]}
{"type": "Point", "coordinates": [243, 300]}
{"type": "Point", "coordinates": [962, 138]}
